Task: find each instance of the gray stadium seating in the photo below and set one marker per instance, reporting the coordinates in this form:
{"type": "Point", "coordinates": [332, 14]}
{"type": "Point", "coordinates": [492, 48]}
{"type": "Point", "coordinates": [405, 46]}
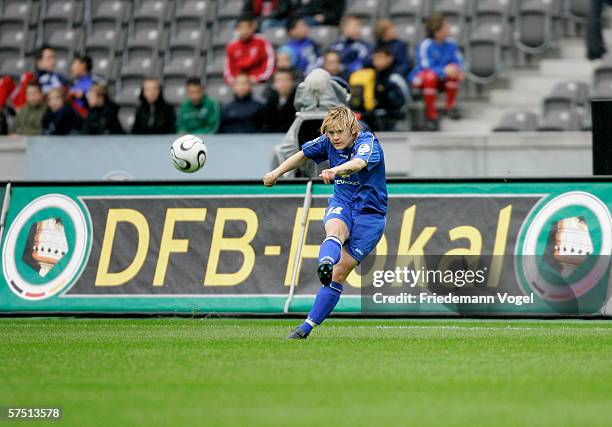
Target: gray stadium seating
{"type": "Point", "coordinates": [324, 35]}
{"type": "Point", "coordinates": [182, 61]}
{"type": "Point", "coordinates": [367, 10]}
{"type": "Point", "coordinates": [127, 90]}
{"type": "Point", "coordinates": [117, 10]}
{"type": "Point", "coordinates": [104, 64]}
{"type": "Point", "coordinates": [154, 9]}
{"type": "Point", "coordinates": [194, 9]}
{"type": "Point", "coordinates": [12, 63]}
{"type": "Point", "coordinates": [534, 25]}
{"type": "Point", "coordinates": [277, 36]}
{"type": "Point", "coordinates": [409, 29]}
{"type": "Point", "coordinates": [560, 121]}
{"type": "Point", "coordinates": [70, 10]}
{"type": "Point", "coordinates": [146, 32]}
{"type": "Point", "coordinates": [189, 31]}
{"type": "Point", "coordinates": [140, 61]}
{"type": "Point", "coordinates": [217, 89]}
{"type": "Point", "coordinates": [105, 33]}
{"type": "Point", "coordinates": [174, 90]}
{"type": "Point", "coordinates": [484, 58]}
{"type": "Point", "coordinates": [126, 117]}
{"type": "Point", "coordinates": [20, 10]}
{"type": "Point", "coordinates": [418, 8]}
{"type": "Point", "coordinates": [15, 34]}
{"type": "Point", "coordinates": [520, 121]}
{"type": "Point", "coordinates": [602, 82]}
{"type": "Point", "coordinates": [229, 9]}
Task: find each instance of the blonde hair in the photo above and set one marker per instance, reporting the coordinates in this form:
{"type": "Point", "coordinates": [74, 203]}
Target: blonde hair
{"type": "Point", "coordinates": [340, 118]}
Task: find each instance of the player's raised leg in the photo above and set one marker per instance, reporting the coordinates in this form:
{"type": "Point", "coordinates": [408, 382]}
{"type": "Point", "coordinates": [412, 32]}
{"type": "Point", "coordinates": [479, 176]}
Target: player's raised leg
{"type": "Point", "coordinates": [327, 297]}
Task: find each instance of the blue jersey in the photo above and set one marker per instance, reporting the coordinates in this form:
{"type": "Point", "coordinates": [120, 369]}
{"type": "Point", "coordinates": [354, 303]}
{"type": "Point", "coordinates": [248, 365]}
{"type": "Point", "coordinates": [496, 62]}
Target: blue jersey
{"type": "Point", "coordinates": [365, 190]}
{"type": "Point", "coordinates": [431, 55]}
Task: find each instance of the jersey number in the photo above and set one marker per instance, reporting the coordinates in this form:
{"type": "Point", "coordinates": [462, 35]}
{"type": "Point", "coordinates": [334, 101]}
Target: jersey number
{"type": "Point", "coordinates": [336, 211]}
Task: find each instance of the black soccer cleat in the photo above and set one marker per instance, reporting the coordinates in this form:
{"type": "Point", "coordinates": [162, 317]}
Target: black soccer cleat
{"type": "Point", "coordinates": [297, 334]}
{"type": "Point", "coordinates": [324, 272]}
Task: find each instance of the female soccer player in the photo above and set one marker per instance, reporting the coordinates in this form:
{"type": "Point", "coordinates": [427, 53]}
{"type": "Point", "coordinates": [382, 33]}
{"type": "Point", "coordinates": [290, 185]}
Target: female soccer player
{"type": "Point", "coordinates": [355, 217]}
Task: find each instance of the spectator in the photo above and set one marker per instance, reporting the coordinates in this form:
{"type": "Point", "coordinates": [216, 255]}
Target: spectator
{"type": "Point", "coordinates": [243, 114]}
{"type": "Point", "coordinates": [3, 123]}
{"type": "Point", "coordinates": [154, 115]}
{"type": "Point", "coordinates": [439, 66]}
{"type": "Point", "coordinates": [271, 13]}
{"type": "Point", "coordinates": [200, 114]}
{"type": "Point", "coordinates": [596, 46]}
{"type": "Point", "coordinates": [279, 111]}
{"type": "Point", "coordinates": [251, 54]}
{"type": "Point", "coordinates": [45, 70]}
{"type": "Point", "coordinates": [29, 119]}
{"type": "Point", "coordinates": [286, 59]}
{"type": "Point", "coordinates": [391, 93]}
{"type": "Point", "coordinates": [333, 65]}
{"type": "Point", "coordinates": [83, 80]}
{"type": "Point", "coordinates": [103, 117]}
{"type": "Point", "coordinates": [322, 12]}
{"type": "Point", "coordinates": [354, 52]}
{"type": "Point", "coordinates": [60, 118]}
{"type": "Point", "coordinates": [385, 33]}
{"type": "Point", "coordinates": [306, 50]}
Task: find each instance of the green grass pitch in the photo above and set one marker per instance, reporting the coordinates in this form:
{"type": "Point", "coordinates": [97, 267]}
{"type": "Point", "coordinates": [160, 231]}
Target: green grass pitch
{"type": "Point", "coordinates": [239, 372]}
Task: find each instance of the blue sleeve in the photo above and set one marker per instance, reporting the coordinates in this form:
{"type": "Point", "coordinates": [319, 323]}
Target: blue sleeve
{"type": "Point", "coordinates": [367, 150]}
{"type": "Point", "coordinates": [316, 149]}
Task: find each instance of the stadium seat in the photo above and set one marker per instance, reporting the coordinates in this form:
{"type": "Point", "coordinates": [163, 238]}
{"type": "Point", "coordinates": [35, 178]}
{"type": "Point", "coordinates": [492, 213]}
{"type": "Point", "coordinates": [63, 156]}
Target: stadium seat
{"type": "Point", "coordinates": [63, 59]}
{"type": "Point", "coordinates": [182, 61]}
{"type": "Point", "coordinates": [569, 93]}
{"type": "Point", "coordinates": [155, 9]}
{"type": "Point", "coordinates": [12, 63]}
{"type": "Point", "coordinates": [277, 36]}
{"type": "Point", "coordinates": [520, 121]}
{"type": "Point", "coordinates": [140, 61]}
{"type": "Point", "coordinates": [324, 35]}
{"type": "Point", "coordinates": [126, 117]}
{"type": "Point", "coordinates": [69, 40]}
{"type": "Point", "coordinates": [127, 90]}
{"type": "Point", "coordinates": [215, 64]}
{"type": "Point", "coordinates": [105, 33]}
{"type": "Point", "coordinates": [602, 82]}
{"type": "Point", "coordinates": [16, 34]}
{"type": "Point", "coordinates": [559, 121]}
{"type": "Point", "coordinates": [20, 10]}
{"type": "Point", "coordinates": [367, 34]}
{"type": "Point", "coordinates": [409, 30]}
{"type": "Point", "coordinates": [103, 60]}
{"type": "Point", "coordinates": [146, 32]}
{"type": "Point", "coordinates": [223, 33]}
{"type": "Point", "coordinates": [367, 10]}
{"type": "Point", "coordinates": [174, 90]}
{"type": "Point", "coordinates": [229, 9]}
{"type": "Point", "coordinates": [217, 89]}
{"type": "Point", "coordinates": [70, 10]}
{"type": "Point", "coordinates": [116, 10]}
{"type": "Point", "coordinates": [534, 25]}
{"type": "Point", "coordinates": [194, 8]}
{"type": "Point", "coordinates": [189, 31]}
{"type": "Point", "coordinates": [577, 10]}
{"type": "Point", "coordinates": [414, 8]}
{"type": "Point", "coordinates": [483, 59]}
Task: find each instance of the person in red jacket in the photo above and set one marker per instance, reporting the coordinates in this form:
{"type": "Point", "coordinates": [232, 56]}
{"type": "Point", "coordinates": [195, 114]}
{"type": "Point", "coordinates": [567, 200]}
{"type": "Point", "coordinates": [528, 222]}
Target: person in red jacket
{"type": "Point", "coordinates": [251, 54]}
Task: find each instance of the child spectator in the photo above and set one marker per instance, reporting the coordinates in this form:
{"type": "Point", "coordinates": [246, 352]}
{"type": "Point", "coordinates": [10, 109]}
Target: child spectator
{"type": "Point", "coordinates": [333, 65]}
{"type": "Point", "coordinates": [439, 66]}
{"type": "Point", "coordinates": [385, 33]}
{"type": "Point", "coordinates": [251, 54]}
{"type": "Point", "coordinates": [391, 93]}
{"type": "Point", "coordinates": [154, 115]}
{"type": "Point", "coordinates": [83, 80]}
{"type": "Point", "coordinates": [354, 52]}
{"type": "Point", "coordinates": [322, 12]}
{"type": "Point", "coordinates": [45, 70]}
{"type": "Point", "coordinates": [306, 50]}
{"type": "Point", "coordinates": [199, 114]}
{"type": "Point", "coordinates": [243, 114]}
{"type": "Point", "coordinates": [103, 117]}
{"type": "Point", "coordinates": [60, 118]}
{"type": "Point", "coordinates": [279, 112]}
{"type": "Point", "coordinates": [29, 119]}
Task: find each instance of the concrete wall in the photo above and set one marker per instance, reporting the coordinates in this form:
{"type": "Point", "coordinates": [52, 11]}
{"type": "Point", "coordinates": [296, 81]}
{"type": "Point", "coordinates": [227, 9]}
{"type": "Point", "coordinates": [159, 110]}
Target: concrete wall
{"type": "Point", "coordinates": [247, 156]}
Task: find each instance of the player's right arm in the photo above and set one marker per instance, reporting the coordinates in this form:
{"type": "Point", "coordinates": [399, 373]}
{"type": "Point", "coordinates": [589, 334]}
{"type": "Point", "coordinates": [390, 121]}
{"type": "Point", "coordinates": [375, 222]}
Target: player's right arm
{"type": "Point", "coordinates": [291, 163]}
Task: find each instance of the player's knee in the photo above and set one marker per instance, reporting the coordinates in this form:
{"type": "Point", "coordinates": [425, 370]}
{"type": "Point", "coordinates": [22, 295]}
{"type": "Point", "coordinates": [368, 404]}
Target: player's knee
{"type": "Point", "coordinates": [430, 79]}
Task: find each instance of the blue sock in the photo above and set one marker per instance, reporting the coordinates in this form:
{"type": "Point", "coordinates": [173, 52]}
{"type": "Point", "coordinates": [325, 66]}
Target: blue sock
{"type": "Point", "coordinates": [330, 250]}
{"type": "Point", "coordinates": [324, 303]}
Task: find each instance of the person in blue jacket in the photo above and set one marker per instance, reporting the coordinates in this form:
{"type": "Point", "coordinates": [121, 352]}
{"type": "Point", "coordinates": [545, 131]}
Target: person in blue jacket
{"type": "Point", "coordinates": [439, 66]}
{"type": "Point", "coordinates": [305, 49]}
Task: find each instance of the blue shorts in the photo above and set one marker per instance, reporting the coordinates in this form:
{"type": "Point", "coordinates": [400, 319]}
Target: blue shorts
{"type": "Point", "coordinates": [365, 228]}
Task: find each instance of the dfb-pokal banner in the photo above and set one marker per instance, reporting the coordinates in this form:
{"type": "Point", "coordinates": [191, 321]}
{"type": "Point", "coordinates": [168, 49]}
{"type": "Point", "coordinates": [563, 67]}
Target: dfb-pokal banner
{"type": "Point", "coordinates": [520, 248]}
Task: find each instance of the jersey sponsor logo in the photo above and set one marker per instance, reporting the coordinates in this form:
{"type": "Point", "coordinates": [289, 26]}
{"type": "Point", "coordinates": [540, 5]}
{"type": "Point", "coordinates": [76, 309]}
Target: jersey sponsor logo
{"type": "Point", "coordinates": [334, 211]}
{"type": "Point", "coordinates": [363, 149]}
{"type": "Point", "coordinates": [344, 181]}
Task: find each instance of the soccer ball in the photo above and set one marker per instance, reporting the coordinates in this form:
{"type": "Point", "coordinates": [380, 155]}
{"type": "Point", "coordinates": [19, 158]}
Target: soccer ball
{"type": "Point", "coordinates": [188, 153]}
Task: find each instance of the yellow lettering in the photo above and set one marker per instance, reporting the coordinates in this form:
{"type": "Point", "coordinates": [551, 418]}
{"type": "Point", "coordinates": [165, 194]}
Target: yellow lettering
{"type": "Point", "coordinates": [499, 249]}
{"type": "Point", "coordinates": [412, 253]}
